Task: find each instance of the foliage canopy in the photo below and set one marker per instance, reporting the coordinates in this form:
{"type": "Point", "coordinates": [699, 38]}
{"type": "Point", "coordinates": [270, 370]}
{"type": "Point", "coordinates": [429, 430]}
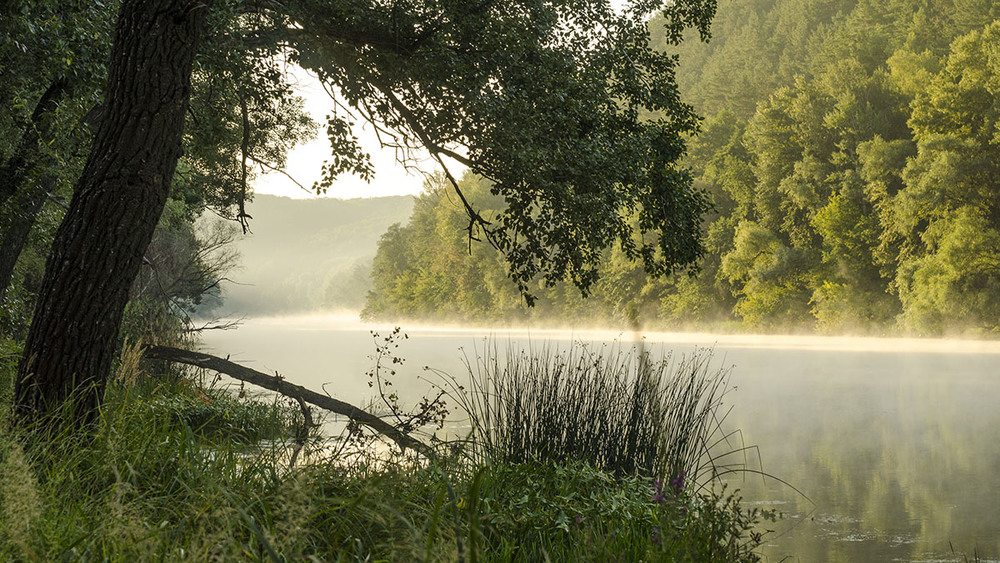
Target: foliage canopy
{"type": "Point", "coordinates": [550, 101]}
{"type": "Point", "coordinates": [850, 150]}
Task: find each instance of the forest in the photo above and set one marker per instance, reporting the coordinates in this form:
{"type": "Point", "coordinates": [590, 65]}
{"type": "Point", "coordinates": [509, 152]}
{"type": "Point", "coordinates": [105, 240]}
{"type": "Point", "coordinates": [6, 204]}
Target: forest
{"type": "Point", "coordinates": [851, 151]}
{"type": "Point", "coordinates": [761, 165]}
{"type": "Point", "coordinates": [131, 137]}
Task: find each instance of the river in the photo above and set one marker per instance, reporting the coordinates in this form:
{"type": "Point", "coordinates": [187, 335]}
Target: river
{"type": "Point", "coordinates": [891, 443]}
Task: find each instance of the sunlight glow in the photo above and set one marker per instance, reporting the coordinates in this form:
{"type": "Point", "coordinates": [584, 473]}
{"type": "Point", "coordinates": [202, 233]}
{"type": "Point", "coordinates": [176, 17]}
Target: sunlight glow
{"type": "Point", "coordinates": [305, 162]}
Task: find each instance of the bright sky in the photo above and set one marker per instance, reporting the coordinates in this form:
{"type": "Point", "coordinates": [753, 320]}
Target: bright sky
{"type": "Point", "coordinates": [305, 162]}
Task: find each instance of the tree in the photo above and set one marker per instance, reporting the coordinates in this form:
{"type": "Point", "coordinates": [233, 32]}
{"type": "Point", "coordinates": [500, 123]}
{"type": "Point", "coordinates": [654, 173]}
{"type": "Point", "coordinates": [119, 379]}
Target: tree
{"type": "Point", "coordinates": [52, 58]}
{"type": "Point", "coordinates": [854, 154]}
{"type": "Point", "coordinates": [542, 98]}
{"type": "Point", "coordinates": [950, 205]}
{"type": "Point", "coordinates": [242, 116]}
{"type": "Point", "coordinates": [118, 199]}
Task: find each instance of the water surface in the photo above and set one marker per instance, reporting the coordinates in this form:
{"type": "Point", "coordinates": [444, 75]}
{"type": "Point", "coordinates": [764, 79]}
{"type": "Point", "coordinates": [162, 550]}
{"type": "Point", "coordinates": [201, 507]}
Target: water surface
{"type": "Point", "coordinates": [892, 442]}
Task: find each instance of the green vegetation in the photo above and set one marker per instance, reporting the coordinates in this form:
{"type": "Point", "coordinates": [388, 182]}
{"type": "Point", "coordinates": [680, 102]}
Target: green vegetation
{"type": "Point", "coordinates": [145, 120]}
{"type": "Point", "coordinates": [622, 411]}
{"type": "Point", "coordinates": [54, 57]}
{"type": "Point", "coordinates": [851, 151]}
{"type": "Point", "coordinates": [564, 106]}
{"type": "Point", "coordinates": [178, 472]}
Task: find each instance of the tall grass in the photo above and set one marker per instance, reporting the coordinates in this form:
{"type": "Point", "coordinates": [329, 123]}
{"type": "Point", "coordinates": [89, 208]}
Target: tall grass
{"type": "Point", "coordinates": [168, 473]}
{"type": "Point", "coordinates": [620, 410]}
{"type": "Point", "coordinates": [177, 473]}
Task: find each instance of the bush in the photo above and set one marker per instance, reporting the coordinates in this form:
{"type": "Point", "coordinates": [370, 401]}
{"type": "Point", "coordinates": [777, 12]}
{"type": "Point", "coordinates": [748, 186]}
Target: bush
{"type": "Point", "coordinates": [574, 512]}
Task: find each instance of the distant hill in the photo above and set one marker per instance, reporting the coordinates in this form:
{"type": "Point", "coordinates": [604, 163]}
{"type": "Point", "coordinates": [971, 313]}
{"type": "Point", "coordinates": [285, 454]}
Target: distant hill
{"type": "Point", "coordinates": [308, 254]}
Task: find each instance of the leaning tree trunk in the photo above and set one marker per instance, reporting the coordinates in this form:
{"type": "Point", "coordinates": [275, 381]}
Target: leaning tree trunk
{"type": "Point", "coordinates": [22, 212]}
{"type": "Point", "coordinates": [20, 198]}
{"type": "Point", "coordinates": [16, 169]}
{"type": "Point", "coordinates": [29, 196]}
{"type": "Point", "coordinates": [117, 201]}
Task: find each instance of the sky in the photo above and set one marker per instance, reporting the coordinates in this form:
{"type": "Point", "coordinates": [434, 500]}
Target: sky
{"type": "Point", "coordinates": [305, 162]}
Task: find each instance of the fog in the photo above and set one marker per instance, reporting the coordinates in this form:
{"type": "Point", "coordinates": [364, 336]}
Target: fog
{"type": "Point", "coordinates": [303, 255]}
{"type": "Point", "coordinates": [890, 442]}
{"type": "Point", "coordinates": [348, 320]}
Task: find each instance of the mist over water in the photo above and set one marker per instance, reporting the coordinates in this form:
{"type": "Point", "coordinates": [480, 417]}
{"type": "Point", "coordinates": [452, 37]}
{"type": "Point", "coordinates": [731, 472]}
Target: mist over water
{"type": "Point", "coordinates": [892, 442]}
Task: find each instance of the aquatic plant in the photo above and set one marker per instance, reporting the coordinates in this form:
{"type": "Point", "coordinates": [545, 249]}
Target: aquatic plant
{"type": "Point", "coordinates": [621, 410]}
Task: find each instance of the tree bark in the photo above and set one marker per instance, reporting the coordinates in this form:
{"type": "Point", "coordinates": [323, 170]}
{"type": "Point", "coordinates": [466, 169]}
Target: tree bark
{"type": "Point", "coordinates": [282, 386]}
{"type": "Point", "coordinates": [117, 201]}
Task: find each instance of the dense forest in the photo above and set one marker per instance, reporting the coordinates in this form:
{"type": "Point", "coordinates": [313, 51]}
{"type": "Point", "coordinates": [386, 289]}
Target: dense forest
{"type": "Point", "coordinates": [852, 152]}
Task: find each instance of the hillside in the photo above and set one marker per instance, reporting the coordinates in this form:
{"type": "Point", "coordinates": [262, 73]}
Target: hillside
{"type": "Point", "coordinates": [308, 254]}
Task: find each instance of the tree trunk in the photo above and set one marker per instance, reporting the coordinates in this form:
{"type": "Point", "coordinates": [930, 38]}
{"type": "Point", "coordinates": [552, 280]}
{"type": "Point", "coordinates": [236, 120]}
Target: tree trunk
{"type": "Point", "coordinates": [20, 199]}
{"type": "Point", "coordinates": [25, 204]}
{"type": "Point", "coordinates": [15, 170]}
{"type": "Point", "coordinates": [24, 209]}
{"type": "Point", "coordinates": [117, 201]}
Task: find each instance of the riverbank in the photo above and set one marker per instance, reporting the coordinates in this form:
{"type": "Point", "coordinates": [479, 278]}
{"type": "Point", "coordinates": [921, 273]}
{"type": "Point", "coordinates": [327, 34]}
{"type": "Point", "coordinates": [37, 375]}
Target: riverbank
{"type": "Point", "coordinates": [176, 471]}
{"type": "Point", "coordinates": [889, 441]}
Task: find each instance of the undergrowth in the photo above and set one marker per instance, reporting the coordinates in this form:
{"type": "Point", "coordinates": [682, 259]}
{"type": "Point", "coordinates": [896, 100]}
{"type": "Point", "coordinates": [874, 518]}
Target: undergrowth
{"type": "Point", "coordinates": [173, 471]}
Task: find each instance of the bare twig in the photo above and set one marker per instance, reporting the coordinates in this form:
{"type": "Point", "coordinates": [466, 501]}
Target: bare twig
{"type": "Point", "coordinates": [302, 433]}
{"type": "Point", "coordinates": [245, 152]}
{"type": "Point", "coordinates": [211, 325]}
{"type": "Point", "coordinates": [263, 164]}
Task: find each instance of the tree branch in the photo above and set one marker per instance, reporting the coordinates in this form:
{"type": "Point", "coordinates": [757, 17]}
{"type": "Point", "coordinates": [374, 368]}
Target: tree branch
{"type": "Point", "coordinates": [264, 165]}
{"type": "Point", "coordinates": [296, 392]}
{"type": "Point", "coordinates": [244, 152]}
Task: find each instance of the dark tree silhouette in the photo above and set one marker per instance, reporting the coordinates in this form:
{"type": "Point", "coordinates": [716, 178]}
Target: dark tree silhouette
{"type": "Point", "coordinates": [118, 199]}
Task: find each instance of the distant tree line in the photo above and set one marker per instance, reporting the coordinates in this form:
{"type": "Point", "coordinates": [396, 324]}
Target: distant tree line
{"type": "Point", "coordinates": [852, 152]}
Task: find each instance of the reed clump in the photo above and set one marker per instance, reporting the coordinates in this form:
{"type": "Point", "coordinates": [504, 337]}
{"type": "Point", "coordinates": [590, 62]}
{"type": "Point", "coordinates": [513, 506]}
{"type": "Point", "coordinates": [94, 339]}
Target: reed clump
{"type": "Point", "coordinates": [621, 410]}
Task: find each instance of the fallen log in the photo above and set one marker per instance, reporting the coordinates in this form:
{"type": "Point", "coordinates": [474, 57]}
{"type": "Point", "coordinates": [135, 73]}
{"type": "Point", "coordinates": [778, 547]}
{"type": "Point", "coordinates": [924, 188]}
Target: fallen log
{"type": "Point", "coordinates": [280, 385]}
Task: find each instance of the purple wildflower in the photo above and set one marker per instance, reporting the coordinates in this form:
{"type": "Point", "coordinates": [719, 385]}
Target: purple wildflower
{"type": "Point", "coordinates": [677, 483]}
{"type": "Point", "coordinates": [658, 492]}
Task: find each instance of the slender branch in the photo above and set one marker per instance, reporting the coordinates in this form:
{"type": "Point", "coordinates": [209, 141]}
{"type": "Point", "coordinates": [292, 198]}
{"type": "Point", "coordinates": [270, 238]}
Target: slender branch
{"type": "Point", "coordinates": [280, 385]}
{"type": "Point", "coordinates": [263, 164]}
{"type": "Point", "coordinates": [245, 151]}
{"type": "Point", "coordinates": [58, 200]}
{"type": "Point", "coordinates": [455, 156]}
{"type": "Point", "coordinates": [302, 433]}
{"type": "Point", "coordinates": [210, 325]}
{"type": "Point", "coordinates": [436, 151]}
{"type": "Point", "coordinates": [406, 118]}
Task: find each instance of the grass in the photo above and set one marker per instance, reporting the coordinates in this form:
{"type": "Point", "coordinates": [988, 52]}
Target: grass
{"type": "Point", "coordinates": [176, 472]}
{"type": "Point", "coordinates": [620, 410]}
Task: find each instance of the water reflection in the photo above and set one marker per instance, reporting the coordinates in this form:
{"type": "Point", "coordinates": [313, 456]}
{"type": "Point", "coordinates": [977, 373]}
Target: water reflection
{"type": "Point", "coordinates": [893, 442]}
{"type": "Point", "coordinates": [897, 451]}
